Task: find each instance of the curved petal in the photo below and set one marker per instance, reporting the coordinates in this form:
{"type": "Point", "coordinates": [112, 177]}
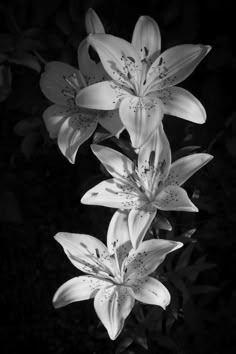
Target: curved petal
{"type": "Point", "coordinates": [118, 236]}
{"type": "Point", "coordinates": [113, 305]}
{"type": "Point", "coordinates": [117, 164]}
{"type": "Point", "coordinates": [86, 253]}
{"type": "Point", "coordinates": [147, 257]}
{"type": "Point", "coordinates": [175, 65]}
{"type": "Point", "coordinates": [151, 291]}
{"type": "Point", "coordinates": [110, 120]}
{"type": "Point", "coordinates": [104, 95]}
{"type": "Point", "coordinates": [139, 223]}
{"type": "Point", "coordinates": [119, 58]}
{"type": "Point", "coordinates": [75, 131]}
{"type": "Point", "coordinates": [54, 116]}
{"type": "Point", "coordinates": [60, 83]}
{"type": "Point", "coordinates": [174, 198]}
{"type": "Point", "coordinates": [78, 289]}
{"type": "Point", "coordinates": [147, 39]}
{"type": "Point", "coordinates": [113, 194]}
{"type": "Point", "coordinates": [154, 157]}
{"type": "Point", "coordinates": [181, 170]}
{"type": "Point", "coordinates": [93, 72]}
{"type": "Point", "coordinates": [180, 103]}
{"type": "Point", "coordinates": [141, 116]}
{"type": "Point", "coordinates": [93, 23]}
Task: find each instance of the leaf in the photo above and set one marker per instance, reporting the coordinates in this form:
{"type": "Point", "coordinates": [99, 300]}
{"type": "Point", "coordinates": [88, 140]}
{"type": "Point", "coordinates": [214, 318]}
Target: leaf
{"type": "Point", "coordinates": [178, 282]}
{"type": "Point", "coordinates": [184, 256]}
{"type": "Point", "coordinates": [191, 272]}
{"type": "Point", "coordinates": [26, 126]}
{"type": "Point", "coordinates": [27, 60]}
{"type": "Point", "coordinates": [28, 144]}
{"type": "Point", "coordinates": [5, 82]}
{"type": "Point", "coordinates": [184, 151]}
{"type": "Point", "coordinates": [124, 344]}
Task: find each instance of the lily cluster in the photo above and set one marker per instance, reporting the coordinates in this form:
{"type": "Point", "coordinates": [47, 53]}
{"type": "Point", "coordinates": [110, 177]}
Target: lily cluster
{"type": "Point", "coordinates": [131, 88]}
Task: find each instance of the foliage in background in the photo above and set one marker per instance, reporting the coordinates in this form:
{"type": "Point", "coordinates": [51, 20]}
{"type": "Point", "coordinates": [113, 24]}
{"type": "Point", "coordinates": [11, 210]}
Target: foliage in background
{"type": "Point", "coordinates": [40, 191]}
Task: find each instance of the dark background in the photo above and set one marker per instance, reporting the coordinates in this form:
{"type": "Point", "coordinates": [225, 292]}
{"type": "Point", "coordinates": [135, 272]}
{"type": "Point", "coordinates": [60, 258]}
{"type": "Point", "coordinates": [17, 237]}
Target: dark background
{"type": "Point", "coordinates": [40, 190]}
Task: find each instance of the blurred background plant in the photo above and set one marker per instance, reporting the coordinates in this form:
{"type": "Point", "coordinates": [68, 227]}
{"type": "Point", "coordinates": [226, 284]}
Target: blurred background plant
{"type": "Point", "coordinates": [40, 191]}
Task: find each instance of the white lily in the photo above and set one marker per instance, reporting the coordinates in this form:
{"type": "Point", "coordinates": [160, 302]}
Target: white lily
{"type": "Point", "coordinates": [60, 83]}
{"type": "Point", "coordinates": [142, 80]}
{"type": "Point", "coordinates": [117, 274]}
{"type": "Point", "coordinates": [146, 186]}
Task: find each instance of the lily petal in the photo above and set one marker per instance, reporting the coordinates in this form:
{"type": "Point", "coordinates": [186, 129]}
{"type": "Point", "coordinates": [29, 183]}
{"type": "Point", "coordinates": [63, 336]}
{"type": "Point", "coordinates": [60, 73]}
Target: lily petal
{"type": "Point", "coordinates": [147, 257]}
{"type": "Point", "coordinates": [119, 58]}
{"type": "Point", "coordinates": [180, 103]}
{"type": "Point", "coordinates": [155, 154]}
{"type": "Point", "coordinates": [182, 169]}
{"type": "Point", "coordinates": [112, 193]}
{"type": "Point", "coordinates": [75, 131]}
{"type": "Point", "coordinates": [86, 253]}
{"type": "Point", "coordinates": [93, 72]}
{"type": "Point", "coordinates": [113, 305]}
{"type": "Point", "coordinates": [104, 95]}
{"type": "Point", "coordinates": [60, 83]}
{"type": "Point", "coordinates": [54, 116]}
{"type": "Point", "coordinates": [174, 198]}
{"type": "Point", "coordinates": [78, 289]}
{"type": "Point", "coordinates": [110, 120]}
{"type": "Point", "coordinates": [117, 164]}
{"type": "Point", "coordinates": [139, 223]}
{"type": "Point", "coordinates": [118, 236]}
{"type": "Point", "coordinates": [151, 291]}
{"type": "Point", "coordinates": [93, 23]}
{"type": "Point", "coordinates": [147, 39]}
{"type": "Point", "coordinates": [141, 116]}
{"type": "Point", "coordinates": [175, 65]}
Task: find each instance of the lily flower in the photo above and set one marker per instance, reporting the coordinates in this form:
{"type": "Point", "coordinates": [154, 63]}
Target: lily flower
{"type": "Point", "coordinates": [147, 185]}
{"type": "Point", "coordinates": [143, 80]}
{"type": "Point", "coordinates": [61, 83]}
{"type": "Point", "coordinates": [117, 275]}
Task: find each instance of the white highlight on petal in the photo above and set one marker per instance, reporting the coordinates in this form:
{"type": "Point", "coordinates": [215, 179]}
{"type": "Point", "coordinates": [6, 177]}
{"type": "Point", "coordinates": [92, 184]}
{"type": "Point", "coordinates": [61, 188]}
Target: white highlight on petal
{"type": "Point", "coordinates": [147, 38]}
{"type": "Point", "coordinates": [78, 289]}
{"type": "Point", "coordinates": [139, 223]}
{"type": "Point", "coordinates": [182, 169]}
{"type": "Point", "coordinates": [174, 198]}
{"type": "Point", "coordinates": [113, 305]}
{"type": "Point", "coordinates": [104, 95]}
{"type": "Point", "coordinates": [151, 291]}
{"type": "Point", "coordinates": [75, 131]}
{"type": "Point", "coordinates": [141, 116]}
{"type": "Point", "coordinates": [54, 116]}
{"type": "Point", "coordinates": [182, 104]}
{"type": "Point", "coordinates": [117, 164]}
{"type": "Point", "coordinates": [93, 23]}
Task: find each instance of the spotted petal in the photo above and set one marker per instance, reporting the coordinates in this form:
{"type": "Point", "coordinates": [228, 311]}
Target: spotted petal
{"type": "Point", "coordinates": [113, 305]}
{"type": "Point", "coordinates": [79, 126]}
{"type": "Point", "coordinates": [141, 116]}
{"type": "Point", "coordinates": [181, 103]}
{"type": "Point", "coordinates": [93, 23]}
{"type": "Point", "coordinates": [114, 194]}
{"type": "Point", "coordinates": [139, 223]}
{"type": "Point", "coordinates": [147, 39]}
{"type": "Point", "coordinates": [182, 169]}
{"type": "Point", "coordinates": [60, 83]}
{"type": "Point", "coordinates": [104, 95]}
{"type": "Point", "coordinates": [151, 291]}
{"type": "Point", "coordinates": [78, 289]}
{"type": "Point", "coordinates": [174, 198]}
{"type": "Point", "coordinates": [118, 236]}
{"type": "Point", "coordinates": [117, 164]}
{"type": "Point", "coordinates": [119, 58]}
{"type": "Point", "coordinates": [175, 65]}
{"type": "Point", "coordinates": [86, 253]}
{"type": "Point", "coordinates": [155, 155]}
{"type": "Point", "coordinates": [54, 116]}
{"type": "Point", "coordinates": [147, 257]}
